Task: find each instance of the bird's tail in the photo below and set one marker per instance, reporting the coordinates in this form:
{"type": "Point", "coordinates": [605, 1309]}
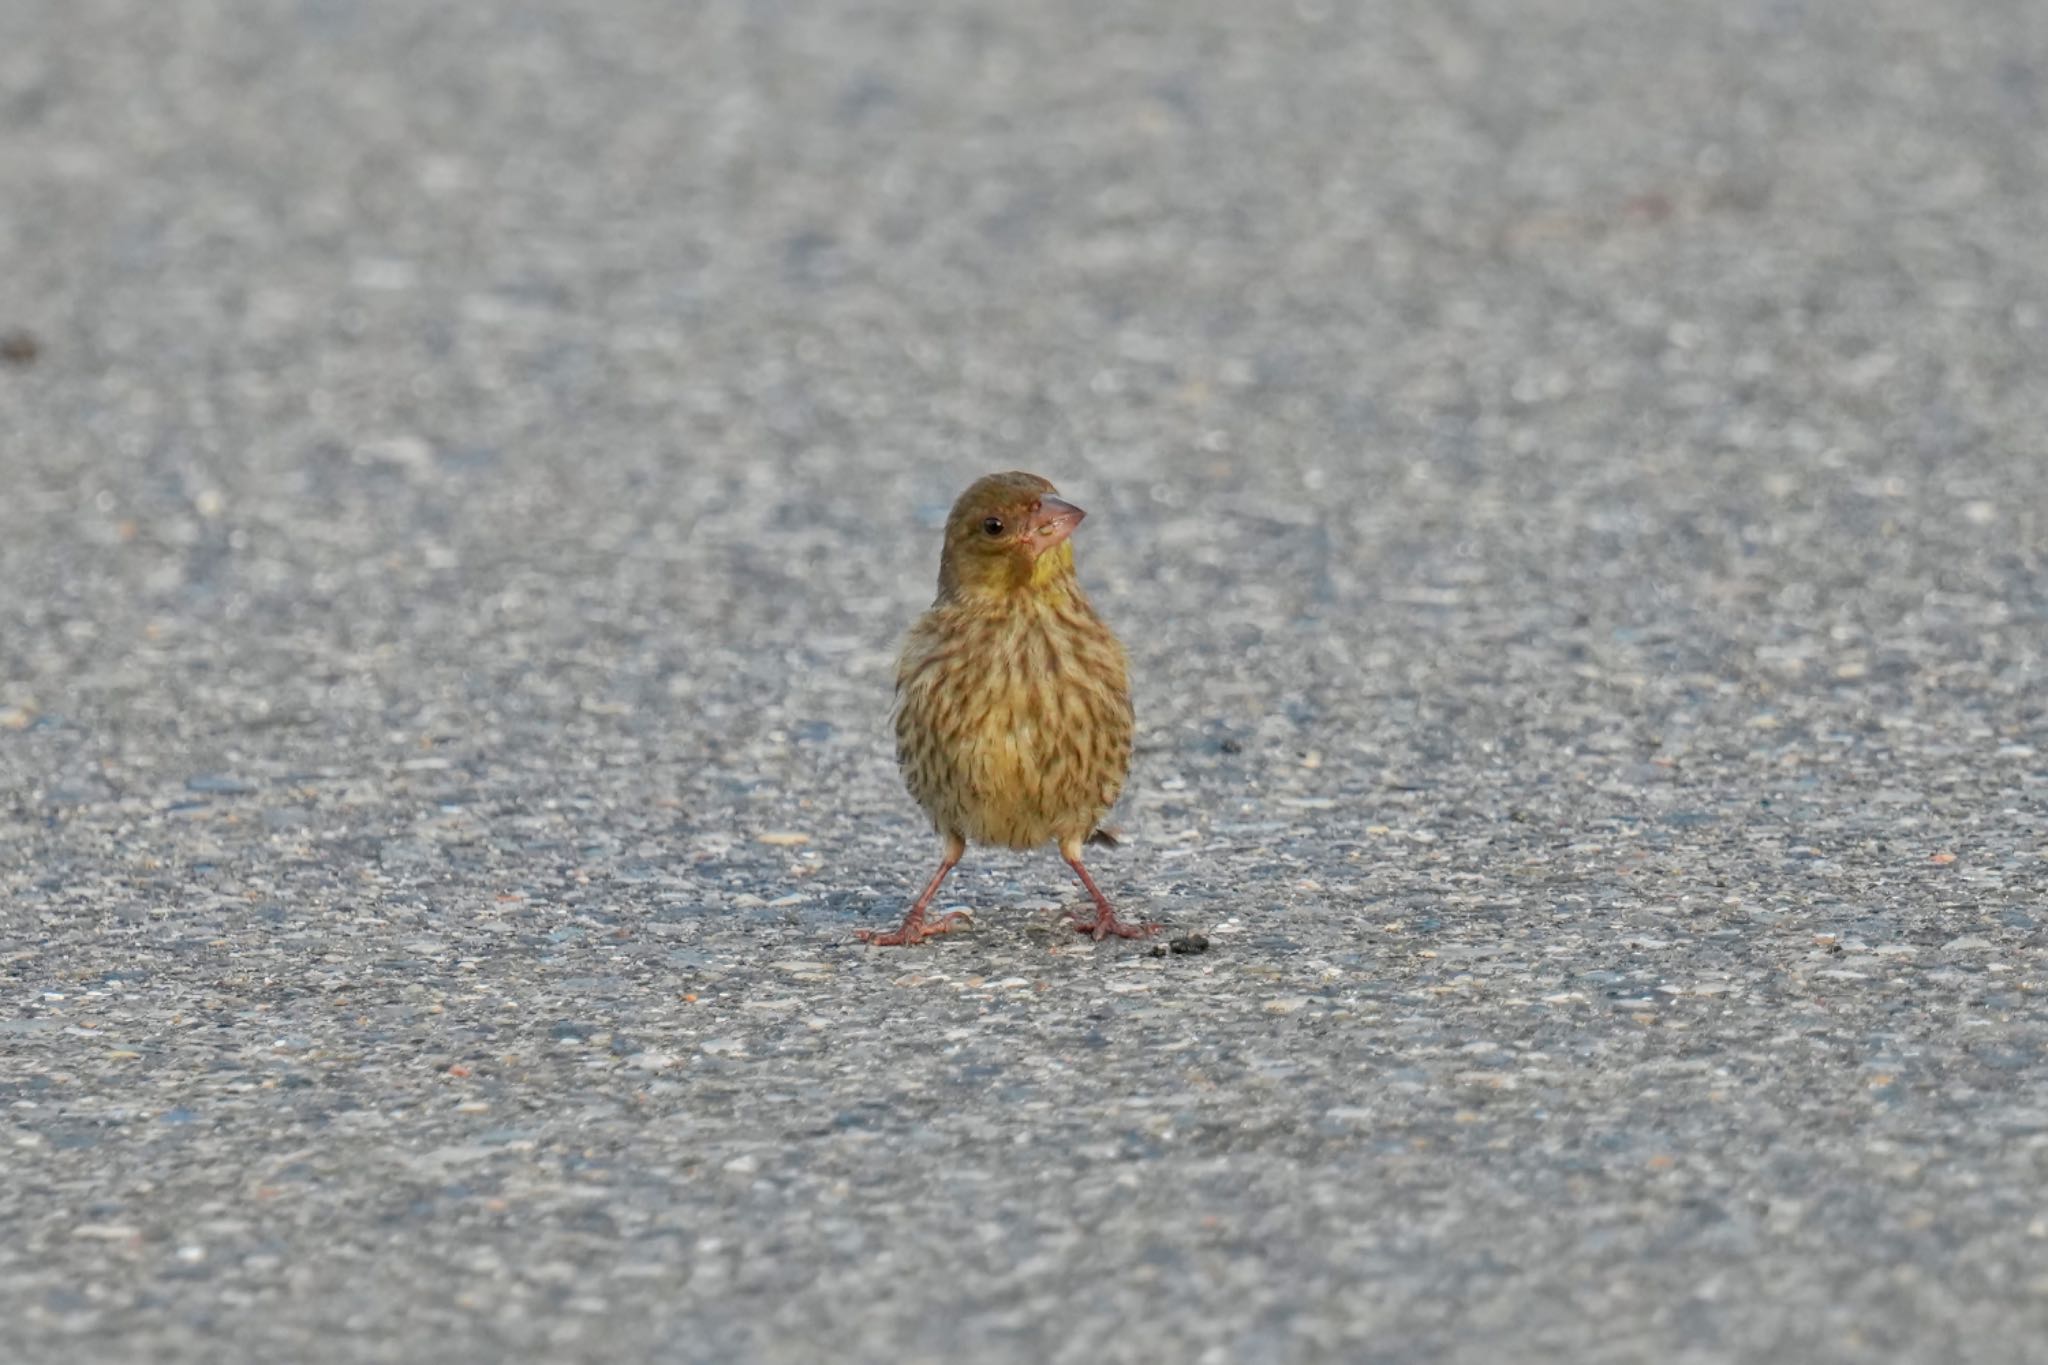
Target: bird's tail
{"type": "Point", "coordinates": [1106, 837]}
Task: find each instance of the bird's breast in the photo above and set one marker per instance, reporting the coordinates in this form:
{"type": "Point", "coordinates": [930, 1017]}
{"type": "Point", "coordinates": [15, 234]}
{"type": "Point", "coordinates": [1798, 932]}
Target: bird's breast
{"type": "Point", "coordinates": [1014, 727]}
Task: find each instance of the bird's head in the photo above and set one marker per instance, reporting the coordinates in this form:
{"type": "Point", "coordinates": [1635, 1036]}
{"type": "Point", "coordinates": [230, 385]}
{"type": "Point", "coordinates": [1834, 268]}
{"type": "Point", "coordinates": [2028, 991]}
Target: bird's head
{"type": "Point", "coordinates": [1007, 532]}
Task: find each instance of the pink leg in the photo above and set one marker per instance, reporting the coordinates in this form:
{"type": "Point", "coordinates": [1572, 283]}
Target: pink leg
{"type": "Point", "coordinates": [915, 927]}
{"type": "Point", "coordinates": [1105, 921]}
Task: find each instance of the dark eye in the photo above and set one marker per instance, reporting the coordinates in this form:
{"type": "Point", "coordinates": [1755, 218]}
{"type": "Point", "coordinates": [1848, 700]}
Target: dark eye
{"type": "Point", "coordinates": [993, 526]}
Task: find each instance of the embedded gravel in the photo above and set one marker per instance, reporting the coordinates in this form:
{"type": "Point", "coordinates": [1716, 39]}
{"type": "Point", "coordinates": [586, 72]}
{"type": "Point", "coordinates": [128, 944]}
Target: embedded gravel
{"type": "Point", "coordinates": [1570, 475]}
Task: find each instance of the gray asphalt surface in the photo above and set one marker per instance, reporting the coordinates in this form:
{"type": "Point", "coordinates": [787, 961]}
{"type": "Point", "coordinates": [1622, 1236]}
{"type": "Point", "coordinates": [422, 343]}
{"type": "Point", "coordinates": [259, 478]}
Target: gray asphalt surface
{"type": "Point", "coordinates": [1570, 475]}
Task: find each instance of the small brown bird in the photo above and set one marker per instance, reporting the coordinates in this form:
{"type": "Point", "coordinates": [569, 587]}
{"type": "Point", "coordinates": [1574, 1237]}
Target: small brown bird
{"type": "Point", "coordinates": [1013, 705]}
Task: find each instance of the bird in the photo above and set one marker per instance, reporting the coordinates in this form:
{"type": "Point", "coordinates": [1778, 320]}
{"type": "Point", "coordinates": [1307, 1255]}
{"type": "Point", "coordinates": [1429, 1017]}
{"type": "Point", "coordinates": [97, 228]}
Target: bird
{"type": "Point", "coordinates": [1013, 705]}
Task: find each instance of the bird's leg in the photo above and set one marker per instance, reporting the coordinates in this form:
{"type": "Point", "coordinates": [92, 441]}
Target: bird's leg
{"type": "Point", "coordinates": [915, 927]}
{"type": "Point", "coordinates": [1105, 922]}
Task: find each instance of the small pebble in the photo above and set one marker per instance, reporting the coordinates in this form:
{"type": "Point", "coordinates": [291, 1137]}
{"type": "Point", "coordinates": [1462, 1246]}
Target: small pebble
{"type": "Point", "coordinates": [19, 348]}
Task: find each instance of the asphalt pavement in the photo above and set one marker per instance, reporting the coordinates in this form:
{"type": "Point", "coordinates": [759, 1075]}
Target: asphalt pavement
{"type": "Point", "coordinates": [1572, 479]}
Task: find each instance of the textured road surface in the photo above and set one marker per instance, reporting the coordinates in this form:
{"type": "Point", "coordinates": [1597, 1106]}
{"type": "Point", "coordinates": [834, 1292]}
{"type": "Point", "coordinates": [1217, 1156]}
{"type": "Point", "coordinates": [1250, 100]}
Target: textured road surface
{"type": "Point", "coordinates": [1572, 479]}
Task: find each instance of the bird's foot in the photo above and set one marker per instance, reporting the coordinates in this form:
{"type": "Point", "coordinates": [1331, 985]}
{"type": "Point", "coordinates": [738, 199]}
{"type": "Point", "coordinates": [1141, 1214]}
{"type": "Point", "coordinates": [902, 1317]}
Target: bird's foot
{"type": "Point", "coordinates": [1105, 923]}
{"type": "Point", "coordinates": [914, 929]}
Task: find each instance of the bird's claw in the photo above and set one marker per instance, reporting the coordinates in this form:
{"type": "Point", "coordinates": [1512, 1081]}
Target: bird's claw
{"type": "Point", "coordinates": [915, 929]}
{"type": "Point", "coordinates": [1105, 923]}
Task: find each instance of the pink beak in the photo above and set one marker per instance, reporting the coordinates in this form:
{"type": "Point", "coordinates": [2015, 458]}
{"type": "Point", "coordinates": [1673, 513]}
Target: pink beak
{"type": "Point", "coordinates": [1052, 521]}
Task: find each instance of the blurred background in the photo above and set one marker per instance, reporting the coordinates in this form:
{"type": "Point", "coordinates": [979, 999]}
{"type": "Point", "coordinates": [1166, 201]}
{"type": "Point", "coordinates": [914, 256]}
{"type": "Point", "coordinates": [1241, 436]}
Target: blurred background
{"type": "Point", "coordinates": [466, 370]}
{"type": "Point", "coordinates": [1562, 468]}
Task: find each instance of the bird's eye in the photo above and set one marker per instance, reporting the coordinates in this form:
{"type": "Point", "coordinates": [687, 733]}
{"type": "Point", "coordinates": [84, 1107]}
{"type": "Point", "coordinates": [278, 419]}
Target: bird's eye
{"type": "Point", "coordinates": [993, 526]}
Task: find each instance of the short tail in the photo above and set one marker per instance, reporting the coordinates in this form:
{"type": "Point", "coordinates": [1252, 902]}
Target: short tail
{"type": "Point", "coordinates": [1106, 837]}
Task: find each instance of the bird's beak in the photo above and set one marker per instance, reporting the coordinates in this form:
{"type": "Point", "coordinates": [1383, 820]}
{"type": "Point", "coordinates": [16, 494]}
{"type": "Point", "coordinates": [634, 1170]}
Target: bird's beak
{"type": "Point", "coordinates": [1052, 522]}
